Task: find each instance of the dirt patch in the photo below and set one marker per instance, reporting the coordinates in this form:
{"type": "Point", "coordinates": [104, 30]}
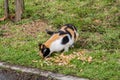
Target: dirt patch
{"type": "Point", "coordinates": [8, 74]}
{"type": "Point", "coordinates": [5, 31]}
{"type": "Point", "coordinates": [30, 29]}
{"type": "Point", "coordinates": [34, 28]}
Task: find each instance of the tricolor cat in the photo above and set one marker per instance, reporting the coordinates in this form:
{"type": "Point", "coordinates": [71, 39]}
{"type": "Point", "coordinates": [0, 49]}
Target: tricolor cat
{"type": "Point", "coordinates": [60, 40]}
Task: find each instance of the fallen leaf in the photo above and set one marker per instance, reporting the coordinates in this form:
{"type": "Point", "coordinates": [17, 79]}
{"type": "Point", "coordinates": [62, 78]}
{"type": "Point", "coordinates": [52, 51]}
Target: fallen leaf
{"type": "Point", "coordinates": [97, 21]}
{"type": "Point", "coordinates": [63, 59]}
{"type": "Point", "coordinates": [81, 70]}
{"type": "Point", "coordinates": [89, 59]}
{"type": "Point", "coordinates": [34, 61]}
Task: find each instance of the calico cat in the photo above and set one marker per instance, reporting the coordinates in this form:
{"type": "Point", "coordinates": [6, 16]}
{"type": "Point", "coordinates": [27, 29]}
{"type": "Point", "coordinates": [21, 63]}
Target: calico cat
{"type": "Point", "coordinates": [60, 40]}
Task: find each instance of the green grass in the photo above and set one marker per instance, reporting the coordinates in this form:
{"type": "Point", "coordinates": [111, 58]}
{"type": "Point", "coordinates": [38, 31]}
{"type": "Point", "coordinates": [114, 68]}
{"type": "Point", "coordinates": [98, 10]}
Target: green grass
{"type": "Point", "coordinates": [98, 23]}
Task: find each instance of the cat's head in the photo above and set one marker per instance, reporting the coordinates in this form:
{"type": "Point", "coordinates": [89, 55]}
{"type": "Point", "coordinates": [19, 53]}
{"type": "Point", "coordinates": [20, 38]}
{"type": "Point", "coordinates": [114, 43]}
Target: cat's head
{"type": "Point", "coordinates": [44, 50]}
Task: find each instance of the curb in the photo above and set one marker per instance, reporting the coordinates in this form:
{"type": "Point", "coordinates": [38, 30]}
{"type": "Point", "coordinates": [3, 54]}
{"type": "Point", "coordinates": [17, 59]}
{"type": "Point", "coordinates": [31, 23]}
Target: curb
{"type": "Point", "coordinates": [39, 72]}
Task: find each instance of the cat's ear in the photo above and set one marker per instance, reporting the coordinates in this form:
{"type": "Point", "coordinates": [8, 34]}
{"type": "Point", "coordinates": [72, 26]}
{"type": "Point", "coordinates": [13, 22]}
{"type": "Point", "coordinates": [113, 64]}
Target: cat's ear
{"type": "Point", "coordinates": [49, 32]}
{"type": "Point", "coordinates": [40, 46]}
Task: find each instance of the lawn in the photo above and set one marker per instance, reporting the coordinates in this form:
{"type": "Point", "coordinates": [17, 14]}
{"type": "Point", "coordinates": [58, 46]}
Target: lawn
{"type": "Point", "coordinates": [96, 54]}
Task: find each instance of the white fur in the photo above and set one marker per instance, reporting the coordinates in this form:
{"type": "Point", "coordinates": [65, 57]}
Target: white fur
{"type": "Point", "coordinates": [56, 46]}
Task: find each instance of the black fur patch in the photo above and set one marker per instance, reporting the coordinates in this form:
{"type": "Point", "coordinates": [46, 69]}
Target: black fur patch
{"type": "Point", "coordinates": [70, 26]}
{"type": "Point", "coordinates": [50, 32]}
{"type": "Point", "coordinates": [53, 32]}
{"type": "Point", "coordinates": [61, 32]}
{"type": "Point", "coordinates": [74, 35]}
{"type": "Point", "coordinates": [39, 46]}
{"type": "Point", "coordinates": [42, 49]}
{"type": "Point", "coordinates": [75, 28]}
{"type": "Point", "coordinates": [65, 40]}
{"type": "Point", "coordinates": [47, 52]}
{"type": "Point", "coordinates": [68, 32]}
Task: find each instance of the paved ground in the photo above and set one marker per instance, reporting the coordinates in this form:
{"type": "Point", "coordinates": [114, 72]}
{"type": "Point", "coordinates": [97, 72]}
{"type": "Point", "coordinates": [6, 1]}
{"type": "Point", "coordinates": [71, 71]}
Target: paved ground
{"type": "Point", "coordinates": [8, 74]}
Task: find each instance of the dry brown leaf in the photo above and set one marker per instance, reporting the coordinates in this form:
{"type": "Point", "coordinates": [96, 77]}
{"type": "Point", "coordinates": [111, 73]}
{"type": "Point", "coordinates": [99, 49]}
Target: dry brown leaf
{"type": "Point", "coordinates": [62, 59]}
{"type": "Point", "coordinates": [89, 59]}
{"type": "Point", "coordinates": [65, 59]}
{"type": "Point", "coordinates": [97, 21]}
{"type": "Point", "coordinates": [81, 70]}
{"type": "Point", "coordinates": [34, 61]}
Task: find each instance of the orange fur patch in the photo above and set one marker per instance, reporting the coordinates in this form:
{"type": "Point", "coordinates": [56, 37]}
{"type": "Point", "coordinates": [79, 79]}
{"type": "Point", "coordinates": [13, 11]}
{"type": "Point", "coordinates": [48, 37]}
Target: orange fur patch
{"type": "Point", "coordinates": [71, 31]}
{"type": "Point", "coordinates": [77, 35]}
{"type": "Point", "coordinates": [52, 39]}
{"type": "Point", "coordinates": [63, 28]}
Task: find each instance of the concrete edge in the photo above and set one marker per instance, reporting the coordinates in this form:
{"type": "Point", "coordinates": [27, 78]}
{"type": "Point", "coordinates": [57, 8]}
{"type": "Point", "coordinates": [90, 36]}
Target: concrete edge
{"type": "Point", "coordinates": [39, 72]}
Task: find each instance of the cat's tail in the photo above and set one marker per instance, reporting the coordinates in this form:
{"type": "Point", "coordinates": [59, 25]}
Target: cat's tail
{"type": "Point", "coordinates": [50, 32]}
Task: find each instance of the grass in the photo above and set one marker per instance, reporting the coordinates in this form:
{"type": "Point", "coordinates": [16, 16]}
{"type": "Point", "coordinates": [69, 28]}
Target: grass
{"type": "Point", "coordinates": [98, 25]}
